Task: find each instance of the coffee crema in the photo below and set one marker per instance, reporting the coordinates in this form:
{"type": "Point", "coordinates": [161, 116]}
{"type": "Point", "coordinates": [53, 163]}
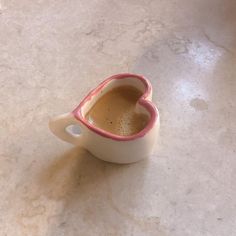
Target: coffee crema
{"type": "Point", "coordinates": [115, 112]}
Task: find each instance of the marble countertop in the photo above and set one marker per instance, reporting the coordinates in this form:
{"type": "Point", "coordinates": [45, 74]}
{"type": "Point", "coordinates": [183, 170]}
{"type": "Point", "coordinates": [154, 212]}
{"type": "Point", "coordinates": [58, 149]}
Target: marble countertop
{"type": "Point", "coordinates": [53, 52]}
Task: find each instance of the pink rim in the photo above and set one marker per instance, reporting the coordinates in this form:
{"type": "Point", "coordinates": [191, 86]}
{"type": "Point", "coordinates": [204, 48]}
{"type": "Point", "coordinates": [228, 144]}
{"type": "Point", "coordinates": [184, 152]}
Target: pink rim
{"type": "Point", "coordinates": [142, 100]}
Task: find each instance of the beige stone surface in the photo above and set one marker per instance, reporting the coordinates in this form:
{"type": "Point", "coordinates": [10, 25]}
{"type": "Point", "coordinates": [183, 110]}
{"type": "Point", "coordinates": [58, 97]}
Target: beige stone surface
{"type": "Point", "coordinates": [53, 52]}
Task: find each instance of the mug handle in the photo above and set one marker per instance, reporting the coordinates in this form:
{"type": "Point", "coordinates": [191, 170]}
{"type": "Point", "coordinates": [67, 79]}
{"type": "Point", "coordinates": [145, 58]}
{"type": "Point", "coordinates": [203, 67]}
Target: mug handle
{"type": "Point", "coordinates": [59, 125]}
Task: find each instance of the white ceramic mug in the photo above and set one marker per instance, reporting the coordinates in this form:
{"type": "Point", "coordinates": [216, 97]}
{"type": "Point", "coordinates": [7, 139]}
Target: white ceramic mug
{"type": "Point", "coordinates": [105, 145]}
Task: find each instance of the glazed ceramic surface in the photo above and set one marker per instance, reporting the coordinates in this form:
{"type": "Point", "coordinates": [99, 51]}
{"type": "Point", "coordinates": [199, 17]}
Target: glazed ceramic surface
{"type": "Point", "coordinates": [103, 144]}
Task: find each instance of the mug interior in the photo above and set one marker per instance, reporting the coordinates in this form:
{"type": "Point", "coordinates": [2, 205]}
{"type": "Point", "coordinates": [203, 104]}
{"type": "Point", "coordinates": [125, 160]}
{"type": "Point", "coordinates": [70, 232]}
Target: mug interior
{"type": "Point", "coordinates": [143, 105]}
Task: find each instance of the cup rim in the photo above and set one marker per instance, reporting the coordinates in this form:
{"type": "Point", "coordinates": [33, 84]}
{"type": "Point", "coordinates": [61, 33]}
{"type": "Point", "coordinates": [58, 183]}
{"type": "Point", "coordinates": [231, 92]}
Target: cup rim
{"type": "Point", "coordinates": [142, 101]}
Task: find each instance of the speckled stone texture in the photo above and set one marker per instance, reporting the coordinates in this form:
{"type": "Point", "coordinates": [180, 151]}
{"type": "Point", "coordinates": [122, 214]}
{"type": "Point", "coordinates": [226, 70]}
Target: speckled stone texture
{"type": "Point", "coordinates": [53, 52]}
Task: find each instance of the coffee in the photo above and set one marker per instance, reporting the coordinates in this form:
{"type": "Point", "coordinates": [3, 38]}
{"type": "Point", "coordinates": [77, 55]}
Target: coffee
{"type": "Point", "coordinates": [115, 112]}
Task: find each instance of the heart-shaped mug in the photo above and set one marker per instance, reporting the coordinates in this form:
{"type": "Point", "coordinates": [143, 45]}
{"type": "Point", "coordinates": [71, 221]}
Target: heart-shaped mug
{"type": "Point", "coordinates": [101, 143]}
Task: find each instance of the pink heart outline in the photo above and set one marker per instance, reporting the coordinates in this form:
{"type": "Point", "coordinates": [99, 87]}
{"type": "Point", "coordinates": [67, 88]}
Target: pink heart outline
{"type": "Point", "coordinates": [148, 105]}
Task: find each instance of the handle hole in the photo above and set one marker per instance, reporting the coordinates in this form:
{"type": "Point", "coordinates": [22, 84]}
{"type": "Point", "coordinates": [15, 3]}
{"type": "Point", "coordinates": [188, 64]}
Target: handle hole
{"type": "Point", "coordinates": [74, 130]}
